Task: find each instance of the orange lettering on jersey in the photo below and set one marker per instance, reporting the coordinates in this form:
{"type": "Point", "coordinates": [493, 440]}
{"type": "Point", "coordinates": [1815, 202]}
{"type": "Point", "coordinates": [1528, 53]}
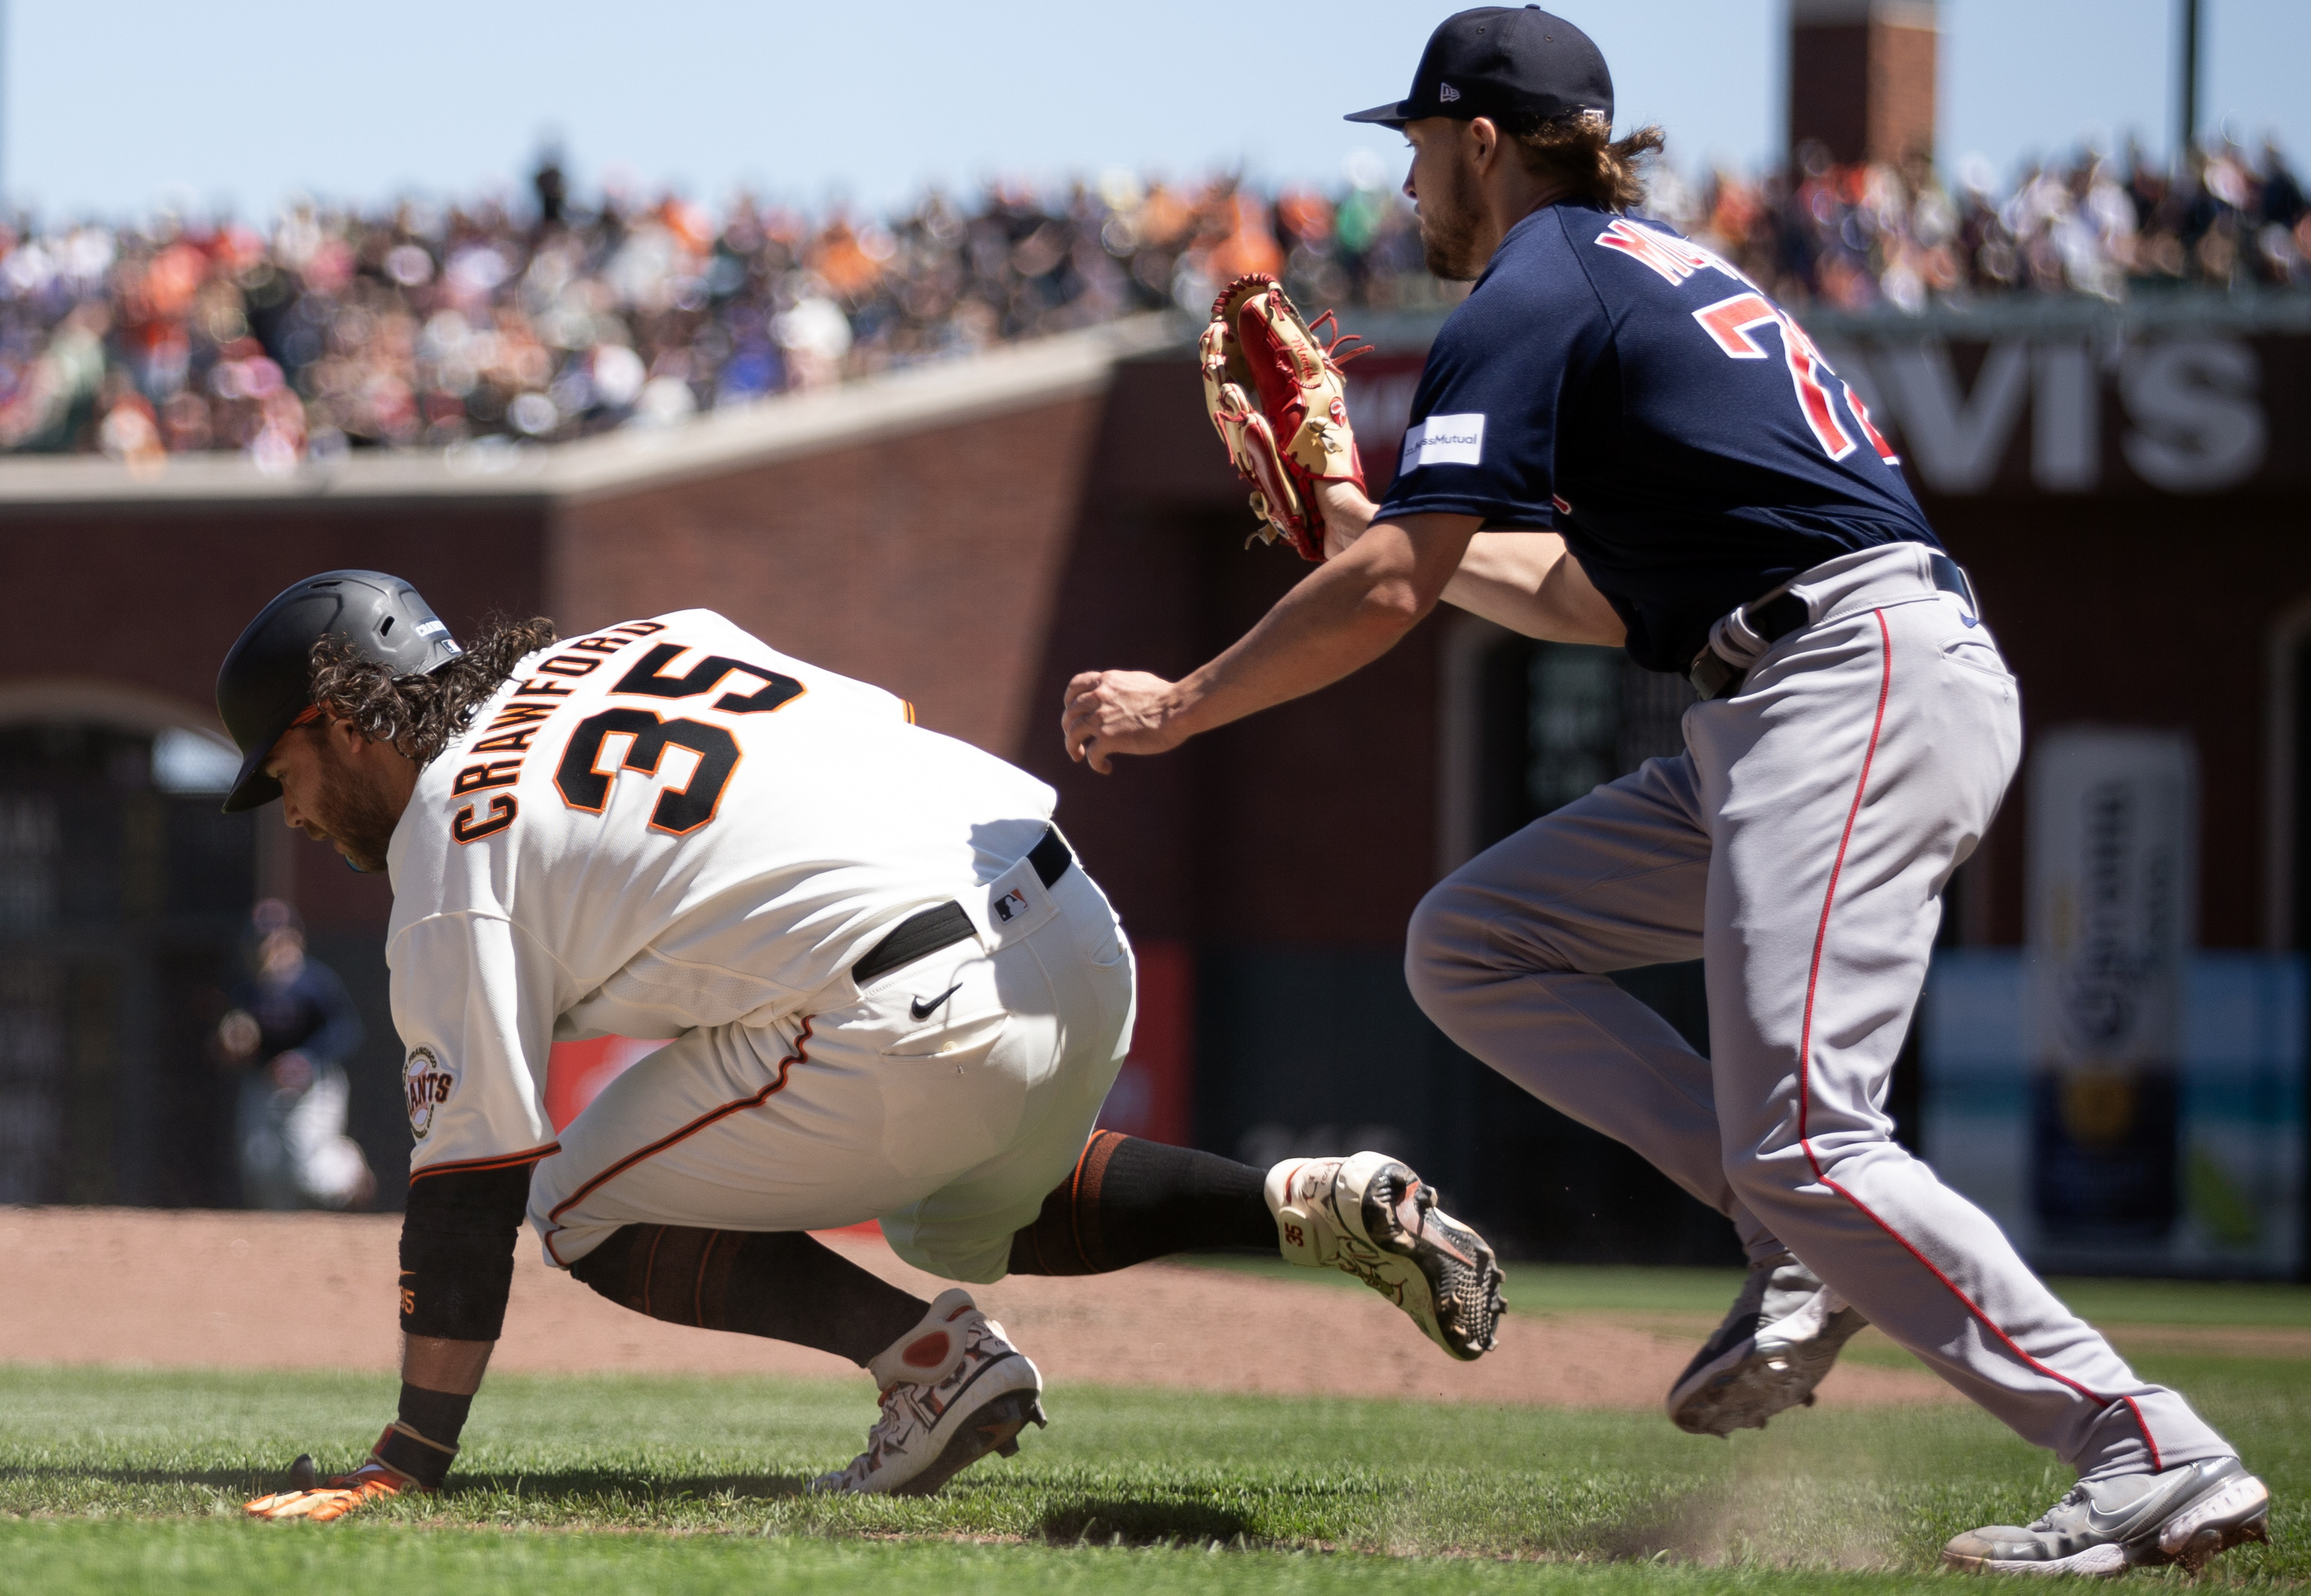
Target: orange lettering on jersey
{"type": "Point", "coordinates": [510, 742]}
{"type": "Point", "coordinates": [477, 778]}
{"type": "Point", "coordinates": [520, 714]}
{"type": "Point", "coordinates": [602, 645]}
{"type": "Point", "coordinates": [536, 687]}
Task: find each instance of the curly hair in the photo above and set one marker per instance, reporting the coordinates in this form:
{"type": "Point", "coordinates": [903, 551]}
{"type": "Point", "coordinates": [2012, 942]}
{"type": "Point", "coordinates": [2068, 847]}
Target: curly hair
{"type": "Point", "coordinates": [419, 715]}
{"type": "Point", "coordinates": [1604, 172]}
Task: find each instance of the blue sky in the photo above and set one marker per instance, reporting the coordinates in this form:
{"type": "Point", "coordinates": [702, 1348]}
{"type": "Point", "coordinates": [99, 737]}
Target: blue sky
{"type": "Point", "coordinates": [111, 108]}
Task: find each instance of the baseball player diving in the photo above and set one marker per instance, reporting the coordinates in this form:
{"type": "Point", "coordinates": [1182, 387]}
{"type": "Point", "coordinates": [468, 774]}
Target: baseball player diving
{"type": "Point", "coordinates": [892, 994]}
{"type": "Point", "coordinates": [1619, 440]}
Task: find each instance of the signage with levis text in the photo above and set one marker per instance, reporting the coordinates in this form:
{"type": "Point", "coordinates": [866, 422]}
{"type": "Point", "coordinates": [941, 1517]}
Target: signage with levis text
{"type": "Point", "coordinates": [2028, 399]}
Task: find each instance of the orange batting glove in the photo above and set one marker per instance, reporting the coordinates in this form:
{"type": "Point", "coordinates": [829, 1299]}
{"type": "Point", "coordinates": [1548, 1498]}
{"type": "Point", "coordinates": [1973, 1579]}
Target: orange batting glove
{"type": "Point", "coordinates": [338, 1496]}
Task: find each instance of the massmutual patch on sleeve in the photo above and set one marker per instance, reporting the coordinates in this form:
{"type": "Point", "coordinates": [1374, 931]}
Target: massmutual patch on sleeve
{"type": "Point", "coordinates": [1445, 441]}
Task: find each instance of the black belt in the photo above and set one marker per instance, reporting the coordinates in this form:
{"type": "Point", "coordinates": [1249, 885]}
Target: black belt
{"type": "Point", "coordinates": [923, 933]}
{"type": "Point", "coordinates": [1713, 675]}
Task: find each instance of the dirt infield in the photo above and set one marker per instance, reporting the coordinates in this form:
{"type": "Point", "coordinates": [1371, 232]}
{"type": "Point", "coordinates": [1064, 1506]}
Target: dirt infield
{"type": "Point", "coordinates": [115, 1285]}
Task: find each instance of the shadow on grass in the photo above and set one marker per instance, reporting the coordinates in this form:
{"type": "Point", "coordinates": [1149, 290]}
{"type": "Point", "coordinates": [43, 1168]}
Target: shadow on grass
{"type": "Point", "coordinates": [583, 1484]}
{"type": "Point", "coordinates": [595, 1484]}
{"type": "Point", "coordinates": [254, 1481]}
{"type": "Point", "coordinates": [1107, 1522]}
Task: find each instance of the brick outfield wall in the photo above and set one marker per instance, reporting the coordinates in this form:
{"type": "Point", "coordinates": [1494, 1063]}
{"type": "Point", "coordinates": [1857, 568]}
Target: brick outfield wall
{"type": "Point", "coordinates": [927, 565]}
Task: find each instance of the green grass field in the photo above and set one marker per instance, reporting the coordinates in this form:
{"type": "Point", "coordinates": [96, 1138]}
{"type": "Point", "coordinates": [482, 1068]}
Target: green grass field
{"type": "Point", "coordinates": [116, 1482]}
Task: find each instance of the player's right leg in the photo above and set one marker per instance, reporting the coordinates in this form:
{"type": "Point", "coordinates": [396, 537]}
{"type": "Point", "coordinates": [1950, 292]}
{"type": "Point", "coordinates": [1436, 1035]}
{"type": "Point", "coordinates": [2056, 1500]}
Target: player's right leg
{"type": "Point", "coordinates": [1508, 956]}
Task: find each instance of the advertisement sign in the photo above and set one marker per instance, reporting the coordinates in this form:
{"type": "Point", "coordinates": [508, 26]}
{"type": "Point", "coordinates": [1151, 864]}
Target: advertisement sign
{"type": "Point", "coordinates": [2118, 1102]}
{"type": "Point", "coordinates": [2112, 844]}
{"type": "Point", "coordinates": [2238, 1116]}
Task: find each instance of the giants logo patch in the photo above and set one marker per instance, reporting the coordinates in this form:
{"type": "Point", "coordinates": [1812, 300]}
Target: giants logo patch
{"type": "Point", "coordinates": [426, 1084]}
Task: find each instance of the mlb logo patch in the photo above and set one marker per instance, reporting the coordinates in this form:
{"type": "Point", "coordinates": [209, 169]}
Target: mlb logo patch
{"type": "Point", "coordinates": [1011, 905]}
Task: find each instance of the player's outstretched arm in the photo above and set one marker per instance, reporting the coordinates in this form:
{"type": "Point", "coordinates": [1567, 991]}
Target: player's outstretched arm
{"type": "Point", "coordinates": [1344, 615]}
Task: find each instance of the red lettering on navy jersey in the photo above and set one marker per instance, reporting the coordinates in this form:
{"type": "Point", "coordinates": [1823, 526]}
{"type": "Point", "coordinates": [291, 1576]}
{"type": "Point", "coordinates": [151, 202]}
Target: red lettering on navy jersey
{"type": "Point", "coordinates": [1673, 257]}
{"type": "Point", "coordinates": [1729, 321]}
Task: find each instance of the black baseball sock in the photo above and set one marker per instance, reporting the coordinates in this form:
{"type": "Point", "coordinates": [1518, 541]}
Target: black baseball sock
{"type": "Point", "coordinates": [784, 1285]}
{"type": "Point", "coordinates": [1129, 1200]}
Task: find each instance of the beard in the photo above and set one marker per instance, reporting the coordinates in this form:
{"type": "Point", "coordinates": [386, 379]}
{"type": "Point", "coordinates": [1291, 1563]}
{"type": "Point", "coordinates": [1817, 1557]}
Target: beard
{"type": "Point", "coordinates": [1448, 228]}
{"type": "Point", "coordinates": [353, 814]}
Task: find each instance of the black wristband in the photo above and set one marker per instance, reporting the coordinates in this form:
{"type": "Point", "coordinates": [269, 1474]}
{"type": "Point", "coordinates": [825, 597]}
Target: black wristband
{"type": "Point", "coordinates": [405, 1451]}
{"type": "Point", "coordinates": [437, 1414]}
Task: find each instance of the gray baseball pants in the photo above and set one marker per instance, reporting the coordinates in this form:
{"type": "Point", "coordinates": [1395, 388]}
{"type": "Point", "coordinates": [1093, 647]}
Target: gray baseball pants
{"type": "Point", "coordinates": [1800, 845]}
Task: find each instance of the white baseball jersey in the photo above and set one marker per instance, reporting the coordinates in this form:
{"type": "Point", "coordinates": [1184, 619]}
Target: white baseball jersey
{"type": "Point", "coordinates": [663, 825]}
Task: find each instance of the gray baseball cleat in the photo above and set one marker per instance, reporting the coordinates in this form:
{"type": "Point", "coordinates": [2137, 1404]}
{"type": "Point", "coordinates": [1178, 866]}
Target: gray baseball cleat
{"type": "Point", "coordinates": [1785, 1330]}
{"type": "Point", "coordinates": [2184, 1515]}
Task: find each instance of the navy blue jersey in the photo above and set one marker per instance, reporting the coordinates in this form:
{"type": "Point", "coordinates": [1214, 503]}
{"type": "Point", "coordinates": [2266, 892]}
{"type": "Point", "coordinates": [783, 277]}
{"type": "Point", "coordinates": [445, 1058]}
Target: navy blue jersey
{"type": "Point", "coordinates": [1613, 381]}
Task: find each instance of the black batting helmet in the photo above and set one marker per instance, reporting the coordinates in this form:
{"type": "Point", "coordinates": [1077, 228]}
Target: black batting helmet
{"type": "Point", "coordinates": [266, 681]}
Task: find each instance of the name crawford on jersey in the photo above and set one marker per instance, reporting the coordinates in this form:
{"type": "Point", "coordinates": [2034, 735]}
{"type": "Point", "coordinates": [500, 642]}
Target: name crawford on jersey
{"type": "Point", "coordinates": [632, 839]}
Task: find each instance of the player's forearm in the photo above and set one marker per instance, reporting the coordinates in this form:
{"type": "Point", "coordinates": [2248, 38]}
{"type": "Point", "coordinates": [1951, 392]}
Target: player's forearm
{"type": "Point", "coordinates": [1345, 614]}
{"type": "Point", "coordinates": [437, 1363]}
{"type": "Point", "coordinates": [1528, 582]}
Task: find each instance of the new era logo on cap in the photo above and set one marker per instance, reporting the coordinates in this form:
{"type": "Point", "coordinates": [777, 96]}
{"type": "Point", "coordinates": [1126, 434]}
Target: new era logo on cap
{"type": "Point", "coordinates": [1505, 61]}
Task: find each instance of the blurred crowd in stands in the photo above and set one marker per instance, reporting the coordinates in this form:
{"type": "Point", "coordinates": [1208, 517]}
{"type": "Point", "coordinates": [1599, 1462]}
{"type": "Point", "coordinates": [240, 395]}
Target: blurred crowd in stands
{"type": "Point", "coordinates": [431, 326]}
{"type": "Point", "coordinates": [1859, 236]}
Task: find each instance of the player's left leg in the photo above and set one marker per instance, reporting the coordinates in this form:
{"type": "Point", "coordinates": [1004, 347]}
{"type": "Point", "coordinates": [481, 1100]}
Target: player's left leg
{"type": "Point", "coordinates": [1059, 1199]}
{"type": "Point", "coordinates": [1127, 1200]}
{"type": "Point", "coordinates": [1849, 778]}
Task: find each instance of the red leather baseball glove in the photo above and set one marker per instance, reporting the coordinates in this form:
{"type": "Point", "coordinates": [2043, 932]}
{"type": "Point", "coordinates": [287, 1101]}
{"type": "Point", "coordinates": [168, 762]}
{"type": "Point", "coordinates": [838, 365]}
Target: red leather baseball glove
{"type": "Point", "coordinates": [1276, 395]}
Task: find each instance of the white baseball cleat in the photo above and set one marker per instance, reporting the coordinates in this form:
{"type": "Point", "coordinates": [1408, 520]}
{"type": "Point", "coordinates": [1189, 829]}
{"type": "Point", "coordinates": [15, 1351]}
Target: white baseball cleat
{"type": "Point", "coordinates": [1371, 1217]}
{"type": "Point", "coordinates": [953, 1390]}
{"type": "Point", "coordinates": [2183, 1515]}
{"type": "Point", "coordinates": [1785, 1330]}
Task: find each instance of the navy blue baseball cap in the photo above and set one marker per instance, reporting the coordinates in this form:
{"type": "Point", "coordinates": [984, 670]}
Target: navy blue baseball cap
{"type": "Point", "coordinates": [1501, 61]}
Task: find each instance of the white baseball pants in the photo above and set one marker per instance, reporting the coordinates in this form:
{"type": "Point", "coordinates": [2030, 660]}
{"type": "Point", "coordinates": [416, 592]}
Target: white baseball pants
{"type": "Point", "coordinates": [1800, 845]}
{"type": "Point", "coordinates": [950, 1128]}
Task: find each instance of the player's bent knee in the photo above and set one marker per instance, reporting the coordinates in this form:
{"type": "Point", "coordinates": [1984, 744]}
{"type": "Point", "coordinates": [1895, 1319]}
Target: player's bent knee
{"type": "Point", "coordinates": [1451, 948]}
{"type": "Point", "coordinates": [1778, 1177]}
{"type": "Point", "coordinates": [1437, 948]}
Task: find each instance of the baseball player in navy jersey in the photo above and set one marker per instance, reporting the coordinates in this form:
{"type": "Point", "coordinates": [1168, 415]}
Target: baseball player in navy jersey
{"type": "Point", "coordinates": [1619, 439]}
{"type": "Point", "coordinates": [890, 992]}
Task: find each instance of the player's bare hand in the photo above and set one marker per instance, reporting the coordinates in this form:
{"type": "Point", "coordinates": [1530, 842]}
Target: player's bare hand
{"type": "Point", "coordinates": [1118, 712]}
{"type": "Point", "coordinates": [1348, 513]}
